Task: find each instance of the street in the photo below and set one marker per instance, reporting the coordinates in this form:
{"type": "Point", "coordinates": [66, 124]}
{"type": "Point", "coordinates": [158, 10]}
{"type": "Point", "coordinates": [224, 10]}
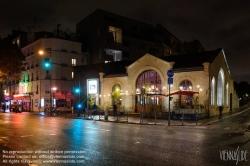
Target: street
{"type": "Point", "coordinates": [31, 137]}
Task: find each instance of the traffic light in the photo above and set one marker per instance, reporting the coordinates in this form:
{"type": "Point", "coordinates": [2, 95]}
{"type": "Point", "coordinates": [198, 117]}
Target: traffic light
{"type": "Point", "coordinates": [77, 90]}
{"type": "Point", "coordinates": [79, 105]}
{"type": "Point", "coordinates": [47, 63]}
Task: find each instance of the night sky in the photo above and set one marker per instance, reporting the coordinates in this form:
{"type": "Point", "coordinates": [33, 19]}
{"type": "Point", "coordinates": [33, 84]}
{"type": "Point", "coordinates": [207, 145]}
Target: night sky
{"type": "Point", "coordinates": [216, 23]}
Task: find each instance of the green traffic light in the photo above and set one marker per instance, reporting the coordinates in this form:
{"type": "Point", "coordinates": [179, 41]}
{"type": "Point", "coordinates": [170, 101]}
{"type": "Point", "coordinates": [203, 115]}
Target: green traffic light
{"type": "Point", "coordinates": [47, 63]}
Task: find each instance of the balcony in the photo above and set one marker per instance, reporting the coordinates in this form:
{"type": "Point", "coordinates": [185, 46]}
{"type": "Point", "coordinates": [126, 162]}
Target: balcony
{"type": "Point", "coordinates": [107, 57]}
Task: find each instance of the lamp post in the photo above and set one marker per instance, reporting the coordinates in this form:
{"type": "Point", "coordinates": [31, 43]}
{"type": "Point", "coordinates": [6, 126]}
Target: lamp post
{"type": "Point", "coordinates": [53, 97]}
{"type": "Point", "coordinates": [41, 52]}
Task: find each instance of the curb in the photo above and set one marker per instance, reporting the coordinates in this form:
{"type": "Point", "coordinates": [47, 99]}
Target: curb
{"type": "Point", "coordinates": [227, 117]}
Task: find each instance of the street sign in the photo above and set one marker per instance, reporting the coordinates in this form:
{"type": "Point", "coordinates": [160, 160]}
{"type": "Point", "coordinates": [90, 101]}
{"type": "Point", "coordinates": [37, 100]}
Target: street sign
{"type": "Point", "coordinates": [170, 80]}
{"type": "Point", "coordinates": [170, 73]}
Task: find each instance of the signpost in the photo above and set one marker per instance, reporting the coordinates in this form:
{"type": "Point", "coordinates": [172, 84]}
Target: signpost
{"type": "Point", "coordinates": [170, 74]}
{"type": "Point", "coordinates": [143, 102]}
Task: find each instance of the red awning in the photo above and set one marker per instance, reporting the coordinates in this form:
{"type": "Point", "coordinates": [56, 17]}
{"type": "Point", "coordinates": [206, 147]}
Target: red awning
{"type": "Point", "coordinates": [183, 92]}
{"type": "Point", "coordinates": [23, 98]}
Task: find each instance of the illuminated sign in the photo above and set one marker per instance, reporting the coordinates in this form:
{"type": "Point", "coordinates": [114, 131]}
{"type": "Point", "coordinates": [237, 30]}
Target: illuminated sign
{"type": "Point", "coordinates": [23, 87]}
{"type": "Point", "coordinates": [93, 85]}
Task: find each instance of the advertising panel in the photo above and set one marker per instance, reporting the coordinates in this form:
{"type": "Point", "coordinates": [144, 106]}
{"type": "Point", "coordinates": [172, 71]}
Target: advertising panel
{"type": "Point", "coordinates": [23, 87]}
{"type": "Point", "coordinates": [93, 85]}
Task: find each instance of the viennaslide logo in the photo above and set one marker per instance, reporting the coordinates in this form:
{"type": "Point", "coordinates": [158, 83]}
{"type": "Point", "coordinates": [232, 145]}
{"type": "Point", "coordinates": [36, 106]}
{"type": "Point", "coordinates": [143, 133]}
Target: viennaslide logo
{"type": "Point", "coordinates": [234, 155]}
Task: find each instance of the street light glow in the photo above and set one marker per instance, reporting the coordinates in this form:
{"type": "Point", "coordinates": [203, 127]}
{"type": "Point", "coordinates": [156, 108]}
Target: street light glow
{"type": "Point", "coordinates": [41, 52]}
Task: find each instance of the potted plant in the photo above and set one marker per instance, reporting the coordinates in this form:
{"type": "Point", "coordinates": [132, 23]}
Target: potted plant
{"type": "Point", "coordinates": [201, 106]}
{"type": "Point", "coordinates": [196, 101]}
{"type": "Point", "coordinates": [107, 108]}
{"type": "Point", "coordinates": [91, 102]}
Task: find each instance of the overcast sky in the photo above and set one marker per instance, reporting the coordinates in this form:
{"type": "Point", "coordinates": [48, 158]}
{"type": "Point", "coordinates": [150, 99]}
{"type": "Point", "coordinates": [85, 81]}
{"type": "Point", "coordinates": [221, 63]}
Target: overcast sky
{"type": "Point", "coordinates": [216, 23]}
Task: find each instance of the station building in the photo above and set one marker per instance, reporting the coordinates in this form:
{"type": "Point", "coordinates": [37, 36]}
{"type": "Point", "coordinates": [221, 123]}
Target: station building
{"type": "Point", "coordinates": [204, 75]}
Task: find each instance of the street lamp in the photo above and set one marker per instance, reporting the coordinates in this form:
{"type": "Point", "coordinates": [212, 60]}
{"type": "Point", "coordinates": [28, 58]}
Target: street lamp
{"type": "Point", "coordinates": [53, 97]}
{"type": "Point", "coordinates": [48, 76]}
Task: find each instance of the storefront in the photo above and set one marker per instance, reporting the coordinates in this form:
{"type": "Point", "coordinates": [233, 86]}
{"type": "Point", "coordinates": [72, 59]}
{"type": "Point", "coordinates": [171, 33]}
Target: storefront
{"type": "Point", "coordinates": [21, 103]}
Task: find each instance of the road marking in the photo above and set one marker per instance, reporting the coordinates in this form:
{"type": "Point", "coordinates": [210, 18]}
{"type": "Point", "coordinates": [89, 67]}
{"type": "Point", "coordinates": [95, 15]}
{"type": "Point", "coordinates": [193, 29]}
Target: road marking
{"type": "Point", "coordinates": [26, 136]}
{"type": "Point", "coordinates": [4, 138]}
{"type": "Point", "coordinates": [97, 129]}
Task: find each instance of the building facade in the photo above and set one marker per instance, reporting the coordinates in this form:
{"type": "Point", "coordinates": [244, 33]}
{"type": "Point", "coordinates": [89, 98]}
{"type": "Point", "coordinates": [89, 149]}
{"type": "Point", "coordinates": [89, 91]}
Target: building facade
{"type": "Point", "coordinates": [39, 86]}
{"type": "Point", "coordinates": [203, 75]}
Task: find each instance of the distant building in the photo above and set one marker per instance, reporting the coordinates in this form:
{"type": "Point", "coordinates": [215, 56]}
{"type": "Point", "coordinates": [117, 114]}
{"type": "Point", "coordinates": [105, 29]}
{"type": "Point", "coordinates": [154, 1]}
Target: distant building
{"type": "Point", "coordinates": [18, 37]}
{"type": "Point", "coordinates": [38, 85]}
{"type": "Point", "coordinates": [193, 46]}
{"type": "Point", "coordinates": [110, 37]}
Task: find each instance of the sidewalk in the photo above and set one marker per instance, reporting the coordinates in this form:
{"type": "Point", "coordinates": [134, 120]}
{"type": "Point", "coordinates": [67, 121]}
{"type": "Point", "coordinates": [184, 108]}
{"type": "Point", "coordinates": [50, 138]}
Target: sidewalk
{"type": "Point", "coordinates": [135, 119]}
{"type": "Point", "coordinates": [152, 121]}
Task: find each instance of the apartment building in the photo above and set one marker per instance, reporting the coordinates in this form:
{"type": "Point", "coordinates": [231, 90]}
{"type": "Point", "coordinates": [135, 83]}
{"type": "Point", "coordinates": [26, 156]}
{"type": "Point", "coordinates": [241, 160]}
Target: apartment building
{"type": "Point", "coordinates": [39, 85]}
{"type": "Point", "coordinates": [110, 37]}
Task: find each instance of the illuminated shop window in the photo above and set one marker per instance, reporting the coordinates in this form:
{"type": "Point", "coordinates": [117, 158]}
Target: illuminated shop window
{"type": "Point", "coordinates": [185, 100]}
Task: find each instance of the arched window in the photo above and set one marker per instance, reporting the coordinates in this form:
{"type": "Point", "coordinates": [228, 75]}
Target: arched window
{"type": "Point", "coordinates": [186, 85]}
{"type": "Point", "coordinates": [186, 100]}
{"type": "Point", "coordinates": [227, 89]}
{"type": "Point", "coordinates": [151, 81]}
{"type": "Point", "coordinates": [212, 91]}
{"type": "Point", "coordinates": [220, 88]}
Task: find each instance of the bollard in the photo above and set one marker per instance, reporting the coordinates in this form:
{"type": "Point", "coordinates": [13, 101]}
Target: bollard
{"type": "Point", "coordinates": [182, 117]}
{"type": "Point", "coordinates": [196, 118]}
{"type": "Point", "coordinates": [127, 116]}
{"type": "Point", "coordinates": [140, 117]}
{"type": "Point", "coordinates": [155, 118]}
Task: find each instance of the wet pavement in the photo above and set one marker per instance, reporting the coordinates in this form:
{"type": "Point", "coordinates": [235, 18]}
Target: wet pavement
{"type": "Point", "coordinates": [135, 119]}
